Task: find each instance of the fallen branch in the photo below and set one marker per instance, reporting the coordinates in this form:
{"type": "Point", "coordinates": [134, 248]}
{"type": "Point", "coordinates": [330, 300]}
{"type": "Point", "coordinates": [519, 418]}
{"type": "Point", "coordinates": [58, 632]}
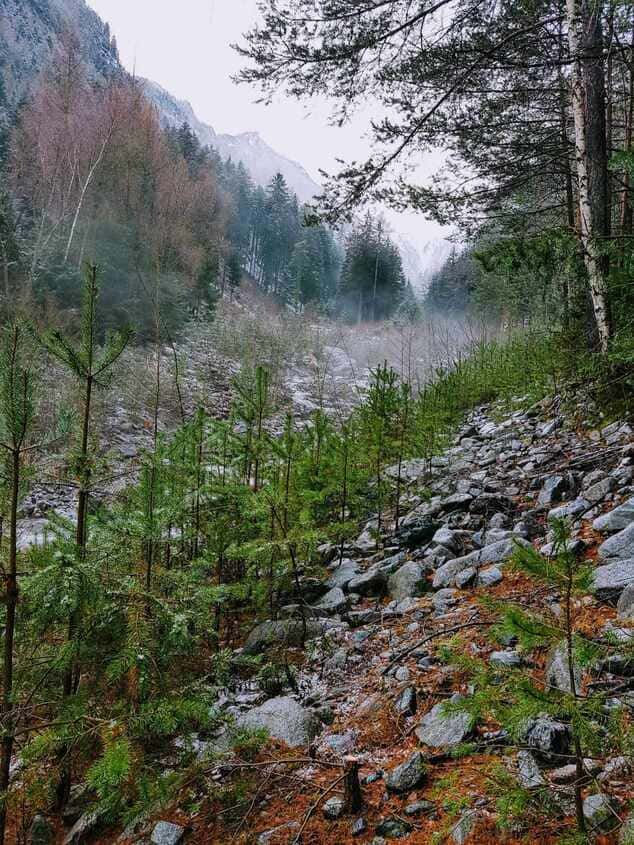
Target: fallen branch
{"type": "Point", "coordinates": [429, 637]}
{"type": "Point", "coordinates": [316, 804]}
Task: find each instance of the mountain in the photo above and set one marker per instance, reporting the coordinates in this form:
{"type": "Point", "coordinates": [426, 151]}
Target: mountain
{"type": "Point", "coordinates": [433, 255]}
{"type": "Point", "coordinates": [261, 160]}
{"type": "Point", "coordinates": [31, 31]}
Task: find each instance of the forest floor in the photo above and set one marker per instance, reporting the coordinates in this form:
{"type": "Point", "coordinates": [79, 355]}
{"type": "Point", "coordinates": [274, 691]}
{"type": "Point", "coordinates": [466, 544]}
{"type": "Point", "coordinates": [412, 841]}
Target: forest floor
{"type": "Point", "coordinates": [368, 684]}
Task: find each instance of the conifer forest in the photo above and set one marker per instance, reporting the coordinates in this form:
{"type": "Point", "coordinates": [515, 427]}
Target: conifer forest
{"type": "Point", "coordinates": [317, 455]}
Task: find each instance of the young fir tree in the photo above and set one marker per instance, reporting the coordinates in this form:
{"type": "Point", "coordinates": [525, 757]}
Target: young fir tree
{"type": "Point", "coordinates": [380, 427]}
{"type": "Point", "coordinates": [91, 366]}
{"type": "Point", "coordinates": [17, 411]}
{"type": "Point", "coordinates": [512, 697]}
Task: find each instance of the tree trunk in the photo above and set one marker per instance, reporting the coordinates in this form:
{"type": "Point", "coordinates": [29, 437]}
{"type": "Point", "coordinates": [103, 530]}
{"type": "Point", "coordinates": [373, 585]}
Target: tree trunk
{"type": "Point", "coordinates": [7, 706]}
{"type": "Point", "coordinates": [588, 108]}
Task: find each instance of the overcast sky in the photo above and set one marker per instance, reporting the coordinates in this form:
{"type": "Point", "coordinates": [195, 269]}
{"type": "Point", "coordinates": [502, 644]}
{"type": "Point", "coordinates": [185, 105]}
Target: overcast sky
{"type": "Point", "coordinates": [185, 47]}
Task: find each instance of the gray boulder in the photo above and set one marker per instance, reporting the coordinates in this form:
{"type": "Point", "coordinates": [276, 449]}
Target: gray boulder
{"type": "Point", "coordinates": [406, 702]}
{"type": "Point", "coordinates": [557, 672]}
{"type": "Point", "coordinates": [625, 606]}
{"type": "Point", "coordinates": [407, 582]}
{"type": "Point", "coordinates": [439, 729]}
{"type": "Point", "coordinates": [549, 739]}
{"type": "Point", "coordinates": [499, 552]}
{"type": "Point", "coordinates": [570, 510]}
{"type": "Point", "coordinates": [600, 811]}
{"type": "Point", "coordinates": [489, 577]}
{"type": "Point", "coordinates": [611, 579]}
{"type": "Point", "coordinates": [284, 719]}
{"type": "Point", "coordinates": [553, 490]}
{"type": "Point", "coordinates": [463, 829]}
{"type": "Point", "coordinates": [619, 546]}
{"type": "Point", "coordinates": [166, 833]}
{"type": "Point", "coordinates": [528, 771]}
{"type": "Point", "coordinates": [465, 577]}
{"type": "Point", "coordinates": [370, 583]}
{"type": "Point", "coordinates": [83, 827]}
{"type": "Point", "coordinates": [334, 601]}
{"type": "Point", "coordinates": [288, 632]}
{"type": "Point", "coordinates": [597, 492]}
{"type": "Point", "coordinates": [343, 574]}
{"type": "Point", "coordinates": [417, 531]}
{"type": "Point", "coordinates": [444, 599]}
{"type": "Point", "coordinates": [392, 828]}
{"type": "Point", "coordinates": [408, 775]}
{"type": "Point", "coordinates": [617, 519]}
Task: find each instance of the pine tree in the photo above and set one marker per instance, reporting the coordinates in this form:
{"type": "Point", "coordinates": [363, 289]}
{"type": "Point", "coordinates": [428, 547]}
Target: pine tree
{"type": "Point", "coordinates": [17, 411]}
{"type": "Point", "coordinates": [92, 368]}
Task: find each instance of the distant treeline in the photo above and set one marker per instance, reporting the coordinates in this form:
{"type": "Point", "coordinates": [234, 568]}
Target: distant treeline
{"type": "Point", "coordinates": [90, 173]}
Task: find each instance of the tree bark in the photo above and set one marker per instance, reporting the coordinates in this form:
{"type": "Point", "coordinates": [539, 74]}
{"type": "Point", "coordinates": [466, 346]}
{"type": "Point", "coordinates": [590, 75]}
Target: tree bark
{"type": "Point", "coordinates": [7, 706]}
{"type": "Point", "coordinates": [585, 41]}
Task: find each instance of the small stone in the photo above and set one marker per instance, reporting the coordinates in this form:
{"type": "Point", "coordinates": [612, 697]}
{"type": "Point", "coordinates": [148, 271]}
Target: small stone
{"type": "Point", "coordinates": [334, 807]}
{"type": "Point", "coordinates": [529, 774]}
{"type": "Point", "coordinates": [358, 827]}
{"type": "Point", "coordinates": [166, 833]}
{"type": "Point", "coordinates": [464, 828]}
{"type": "Point", "coordinates": [402, 674]}
{"type": "Point", "coordinates": [394, 828]}
{"type": "Point", "coordinates": [418, 808]}
{"type": "Point", "coordinates": [408, 775]}
{"type": "Point", "coordinates": [505, 658]}
{"type": "Point", "coordinates": [406, 703]}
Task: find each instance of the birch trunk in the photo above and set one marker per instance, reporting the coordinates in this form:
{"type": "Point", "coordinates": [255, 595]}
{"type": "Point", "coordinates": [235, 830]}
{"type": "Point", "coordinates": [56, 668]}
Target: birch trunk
{"type": "Point", "coordinates": [588, 109]}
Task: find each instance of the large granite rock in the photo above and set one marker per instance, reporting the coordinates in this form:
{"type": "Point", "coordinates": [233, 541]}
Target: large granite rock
{"type": "Point", "coordinates": [284, 719]}
{"type": "Point", "coordinates": [617, 519]}
{"type": "Point", "coordinates": [286, 632]}
{"type": "Point", "coordinates": [343, 574]}
{"type": "Point", "coordinates": [407, 582]}
{"type": "Point", "coordinates": [600, 812]}
{"type": "Point", "coordinates": [611, 579]}
{"type": "Point", "coordinates": [373, 582]}
{"type": "Point", "coordinates": [619, 546]}
{"type": "Point", "coordinates": [335, 601]}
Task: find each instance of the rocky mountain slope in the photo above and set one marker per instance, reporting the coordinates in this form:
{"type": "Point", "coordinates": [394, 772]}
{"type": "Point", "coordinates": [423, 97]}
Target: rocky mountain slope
{"type": "Point", "coordinates": [372, 678]}
{"type": "Point", "coordinates": [31, 31]}
{"type": "Point", "coordinates": [261, 160]}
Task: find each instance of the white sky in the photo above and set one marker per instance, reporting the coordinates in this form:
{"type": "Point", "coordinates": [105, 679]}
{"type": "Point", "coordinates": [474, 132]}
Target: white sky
{"type": "Point", "coordinates": [185, 47]}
